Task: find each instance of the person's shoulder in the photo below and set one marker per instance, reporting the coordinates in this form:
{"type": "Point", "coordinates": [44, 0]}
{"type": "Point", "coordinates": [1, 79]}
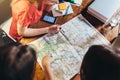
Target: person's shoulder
{"type": "Point", "coordinates": [21, 5]}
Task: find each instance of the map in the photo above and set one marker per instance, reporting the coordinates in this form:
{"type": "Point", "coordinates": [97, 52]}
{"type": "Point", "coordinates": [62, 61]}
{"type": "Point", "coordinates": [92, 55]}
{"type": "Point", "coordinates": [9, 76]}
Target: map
{"type": "Point", "coordinates": [68, 47]}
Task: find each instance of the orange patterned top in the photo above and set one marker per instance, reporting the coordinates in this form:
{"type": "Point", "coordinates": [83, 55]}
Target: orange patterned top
{"type": "Point", "coordinates": [26, 14]}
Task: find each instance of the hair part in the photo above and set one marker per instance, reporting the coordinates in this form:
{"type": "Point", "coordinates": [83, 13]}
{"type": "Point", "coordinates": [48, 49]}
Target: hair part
{"type": "Point", "coordinates": [17, 62]}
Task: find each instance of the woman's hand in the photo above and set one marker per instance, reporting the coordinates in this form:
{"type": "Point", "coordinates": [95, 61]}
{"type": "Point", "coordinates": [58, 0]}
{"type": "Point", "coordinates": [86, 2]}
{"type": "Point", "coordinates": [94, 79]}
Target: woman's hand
{"type": "Point", "coordinates": [54, 29]}
{"type": "Point", "coordinates": [46, 61]}
{"type": "Point", "coordinates": [46, 65]}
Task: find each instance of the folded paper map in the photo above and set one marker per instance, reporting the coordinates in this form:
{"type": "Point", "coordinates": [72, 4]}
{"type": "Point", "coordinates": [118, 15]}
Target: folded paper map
{"type": "Point", "coordinates": [68, 47]}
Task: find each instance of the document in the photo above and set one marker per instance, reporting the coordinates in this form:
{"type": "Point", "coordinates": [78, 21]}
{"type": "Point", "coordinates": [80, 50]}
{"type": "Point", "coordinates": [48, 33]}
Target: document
{"type": "Point", "coordinates": [68, 47]}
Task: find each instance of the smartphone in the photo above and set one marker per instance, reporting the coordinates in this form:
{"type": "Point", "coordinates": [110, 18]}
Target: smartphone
{"type": "Point", "coordinates": [49, 19]}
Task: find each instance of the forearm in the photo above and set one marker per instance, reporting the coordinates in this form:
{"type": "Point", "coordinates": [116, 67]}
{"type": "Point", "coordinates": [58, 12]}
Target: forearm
{"type": "Point", "coordinates": [49, 73]}
{"type": "Point", "coordinates": [29, 32]}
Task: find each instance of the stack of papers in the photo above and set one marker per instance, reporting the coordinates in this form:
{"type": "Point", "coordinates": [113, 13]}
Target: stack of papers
{"type": "Point", "coordinates": [62, 9]}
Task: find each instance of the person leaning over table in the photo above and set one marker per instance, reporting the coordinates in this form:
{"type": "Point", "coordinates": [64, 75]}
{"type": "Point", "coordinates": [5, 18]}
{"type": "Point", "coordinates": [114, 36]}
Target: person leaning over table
{"type": "Point", "coordinates": [100, 63]}
{"type": "Point", "coordinates": [18, 62]}
{"type": "Point", "coordinates": [26, 13]}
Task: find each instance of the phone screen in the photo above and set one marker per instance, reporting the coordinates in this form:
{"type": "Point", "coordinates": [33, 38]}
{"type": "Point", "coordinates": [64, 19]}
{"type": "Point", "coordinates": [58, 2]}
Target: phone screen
{"type": "Point", "coordinates": [49, 19]}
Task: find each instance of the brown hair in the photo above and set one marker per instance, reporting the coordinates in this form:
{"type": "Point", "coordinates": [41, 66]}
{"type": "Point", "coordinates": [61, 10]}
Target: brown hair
{"type": "Point", "coordinates": [17, 62]}
{"type": "Point", "coordinates": [100, 63]}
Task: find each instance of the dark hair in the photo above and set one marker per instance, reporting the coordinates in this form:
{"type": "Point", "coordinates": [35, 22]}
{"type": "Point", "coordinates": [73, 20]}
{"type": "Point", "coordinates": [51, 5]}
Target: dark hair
{"type": "Point", "coordinates": [17, 62]}
{"type": "Point", "coordinates": [100, 63]}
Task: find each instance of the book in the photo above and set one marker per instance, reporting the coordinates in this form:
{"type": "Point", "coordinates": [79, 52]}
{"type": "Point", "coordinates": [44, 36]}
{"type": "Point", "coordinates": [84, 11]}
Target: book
{"type": "Point", "coordinates": [68, 47]}
{"type": "Point", "coordinates": [103, 9]}
{"type": "Point", "coordinates": [56, 12]}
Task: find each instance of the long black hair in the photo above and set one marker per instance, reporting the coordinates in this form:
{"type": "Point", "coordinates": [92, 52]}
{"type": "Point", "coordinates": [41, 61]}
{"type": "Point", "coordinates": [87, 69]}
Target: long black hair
{"type": "Point", "coordinates": [17, 62]}
{"type": "Point", "coordinates": [100, 63]}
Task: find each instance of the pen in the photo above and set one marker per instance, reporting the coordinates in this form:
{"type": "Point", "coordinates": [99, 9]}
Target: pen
{"type": "Point", "coordinates": [67, 10]}
{"type": "Point", "coordinates": [58, 11]}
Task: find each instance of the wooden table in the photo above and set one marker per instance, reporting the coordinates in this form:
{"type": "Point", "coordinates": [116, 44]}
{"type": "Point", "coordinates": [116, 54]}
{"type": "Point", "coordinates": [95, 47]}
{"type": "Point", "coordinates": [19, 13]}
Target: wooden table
{"type": "Point", "coordinates": [60, 20]}
{"type": "Point", "coordinates": [39, 74]}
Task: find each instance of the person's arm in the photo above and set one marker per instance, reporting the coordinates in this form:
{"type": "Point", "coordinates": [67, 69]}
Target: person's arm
{"type": "Point", "coordinates": [46, 65]}
{"type": "Point", "coordinates": [29, 32]}
{"type": "Point", "coordinates": [49, 73]}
